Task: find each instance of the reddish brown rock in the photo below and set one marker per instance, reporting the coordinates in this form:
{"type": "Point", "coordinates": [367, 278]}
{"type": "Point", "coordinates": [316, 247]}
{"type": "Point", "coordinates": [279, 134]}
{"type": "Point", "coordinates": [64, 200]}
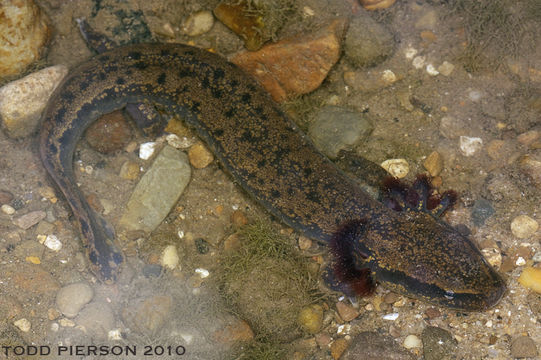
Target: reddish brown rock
{"type": "Point", "coordinates": [295, 66]}
{"type": "Point", "coordinates": [33, 279]}
{"type": "Point", "coordinates": [110, 133]}
{"type": "Point", "coordinates": [237, 331]}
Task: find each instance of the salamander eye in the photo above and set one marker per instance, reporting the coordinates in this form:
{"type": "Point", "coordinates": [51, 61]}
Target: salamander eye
{"type": "Point", "coordinates": [449, 295]}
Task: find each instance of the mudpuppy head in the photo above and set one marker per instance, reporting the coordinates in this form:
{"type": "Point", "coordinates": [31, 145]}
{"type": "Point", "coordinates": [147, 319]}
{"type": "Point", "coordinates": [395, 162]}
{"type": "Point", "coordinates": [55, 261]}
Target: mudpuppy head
{"type": "Point", "coordinates": [422, 258]}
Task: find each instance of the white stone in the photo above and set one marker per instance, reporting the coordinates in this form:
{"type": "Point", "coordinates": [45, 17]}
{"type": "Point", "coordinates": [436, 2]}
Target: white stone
{"type": "Point", "coordinates": [169, 258]}
{"type": "Point", "coordinates": [431, 70]}
{"type": "Point", "coordinates": [396, 167]}
{"type": "Point", "coordinates": [8, 210]}
{"type": "Point", "coordinates": [412, 341]}
{"type": "Point", "coordinates": [198, 23]}
{"type": "Point", "coordinates": [203, 273]}
{"type": "Point", "coordinates": [524, 226]}
{"type": "Point", "coordinates": [146, 150]}
{"type": "Point", "coordinates": [446, 68]}
{"type": "Point", "coordinates": [418, 62]}
{"type": "Point", "coordinates": [52, 242]}
{"type": "Point", "coordinates": [23, 324]}
{"type": "Point", "coordinates": [22, 101]}
{"type": "Point", "coordinates": [470, 145]}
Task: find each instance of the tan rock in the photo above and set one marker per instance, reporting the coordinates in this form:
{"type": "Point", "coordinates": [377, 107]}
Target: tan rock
{"type": "Point", "coordinates": [23, 34]}
{"type": "Point", "coordinates": [295, 66]}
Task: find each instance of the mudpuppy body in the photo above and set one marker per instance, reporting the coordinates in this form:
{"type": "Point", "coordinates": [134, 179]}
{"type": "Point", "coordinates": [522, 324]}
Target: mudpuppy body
{"type": "Point", "coordinates": [408, 252]}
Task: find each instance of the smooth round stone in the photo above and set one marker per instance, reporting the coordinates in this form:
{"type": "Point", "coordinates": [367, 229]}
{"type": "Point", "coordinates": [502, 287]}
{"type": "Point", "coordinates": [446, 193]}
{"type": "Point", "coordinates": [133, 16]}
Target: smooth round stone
{"type": "Point", "coordinates": [73, 297]}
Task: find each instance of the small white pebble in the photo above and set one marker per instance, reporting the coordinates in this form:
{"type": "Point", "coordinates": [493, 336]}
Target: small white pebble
{"type": "Point", "coordinates": [470, 145]}
{"type": "Point", "coordinates": [114, 334]}
{"type": "Point", "coordinates": [488, 323]}
{"type": "Point", "coordinates": [475, 95]}
{"type": "Point", "coordinates": [308, 12]}
{"type": "Point", "coordinates": [388, 76]}
{"type": "Point", "coordinates": [418, 62]}
{"type": "Point", "coordinates": [66, 322]}
{"type": "Point", "coordinates": [203, 273]}
{"type": "Point", "coordinates": [7, 209]}
{"type": "Point", "coordinates": [431, 70]}
{"type": "Point", "coordinates": [520, 261]}
{"type": "Point", "coordinates": [170, 257]}
{"type": "Point", "coordinates": [391, 317]}
{"type": "Point", "coordinates": [410, 52]}
{"type": "Point", "coordinates": [53, 243]}
{"type": "Point", "coordinates": [89, 169]}
{"type": "Point", "coordinates": [412, 341]}
{"type": "Point", "coordinates": [343, 329]}
{"type": "Point", "coordinates": [396, 167]}
{"type": "Point", "coordinates": [146, 150]}
{"type": "Point", "coordinates": [524, 226]}
{"type": "Point", "coordinates": [23, 324]}
{"type": "Point", "coordinates": [180, 234]}
{"type": "Point", "coordinates": [55, 327]}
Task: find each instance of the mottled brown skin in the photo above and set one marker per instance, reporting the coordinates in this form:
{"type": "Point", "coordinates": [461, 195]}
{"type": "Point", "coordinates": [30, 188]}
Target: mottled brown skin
{"type": "Point", "coordinates": [269, 157]}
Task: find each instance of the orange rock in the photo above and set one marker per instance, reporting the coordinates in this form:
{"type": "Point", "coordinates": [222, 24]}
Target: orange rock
{"type": "Point", "coordinates": [295, 66]}
{"type": "Point", "coordinates": [346, 312]}
{"type": "Point", "coordinates": [110, 133]}
{"type": "Point", "coordinates": [376, 4]}
{"type": "Point", "coordinates": [237, 331]}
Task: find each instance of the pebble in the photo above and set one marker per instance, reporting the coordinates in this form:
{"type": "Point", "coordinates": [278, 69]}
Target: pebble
{"type": "Point", "coordinates": [28, 220]}
{"type": "Point", "coordinates": [150, 315]}
{"type": "Point", "coordinates": [157, 191]}
{"type": "Point", "coordinates": [451, 127]}
{"type": "Point", "coordinates": [493, 255]}
{"type": "Point", "coordinates": [97, 318]}
{"type": "Point", "coordinates": [412, 342]}
{"type": "Point", "coordinates": [152, 270]}
{"type": "Point", "coordinates": [170, 258]}
{"type": "Point", "coordinates": [238, 218]}
{"type": "Point", "coordinates": [531, 278]}
{"type": "Point", "coordinates": [376, 4]}
{"type": "Point", "coordinates": [524, 226]}
{"type": "Point", "coordinates": [25, 31]}
{"type": "Point", "coordinates": [53, 243]}
{"type": "Point", "coordinates": [446, 68]}
{"type": "Point", "coordinates": [5, 197]}
{"type": "Point", "coordinates": [252, 29]}
{"type": "Point", "coordinates": [202, 246]}
{"type": "Point", "coordinates": [338, 347]}
{"type": "Point", "coordinates": [470, 145]}
{"type": "Point", "coordinates": [370, 81]}
{"type": "Point", "coordinates": [523, 347]}
{"type": "Point", "coordinates": [198, 23]}
{"type": "Point", "coordinates": [432, 313]}
{"type": "Point", "coordinates": [529, 137]}
{"type": "Point", "coordinates": [200, 157]}
{"type": "Point", "coordinates": [336, 128]}
{"type": "Point", "coordinates": [398, 168]}
{"type": "Point", "coordinates": [304, 243]}
{"type": "Point", "coordinates": [373, 345]}
{"type": "Point", "coordinates": [129, 170]}
{"type": "Point", "coordinates": [531, 166]}
{"type": "Point", "coordinates": [367, 42]}
{"type": "Point", "coordinates": [73, 297]}
{"type": "Point", "coordinates": [434, 163]}
{"type": "Point", "coordinates": [22, 101]}
{"type": "Point", "coordinates": [8, 209]}
{"type": "Point", "coordinates": [236, 331]}
{"type": "Point", "coordinates": [111, 132]}
{"type": "Point", "coordinates": [346, 312]}
{"type": "Point", "coordinates": [438, 343]}
{"type": "Point", "coordinates": [146, 150]}
{"type": "Point", "coordinates": [310, 318]}
{"type": "Point", "coordinates": [23, 324]}
{"type": "Point", "coordinates": [295, 66]}
{"type": "Point", "coordinates": [391, 316]}
{"type": "Point", "coordinates": [481, 211]}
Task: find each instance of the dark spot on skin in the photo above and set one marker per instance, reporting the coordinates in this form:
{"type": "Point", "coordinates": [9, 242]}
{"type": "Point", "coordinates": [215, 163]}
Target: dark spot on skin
{"type": "Point", "coordinates": [248, 136]}
{"type": "Point", "coordinates": [275, 194]}
{"type": "Point", "coordinates": [67, 96]}
{"type": "Point", "coordinates": [189, 52]}
{"type": "Point", "coordinates": [218, 74]}
{"type": "Point", "coordinates": [261, 163]}
{"type": "Point", "coordinates": [93, 256]}
{"type": "Point", "coordinates": [135, 55]}
{"type": "Point", "coordinates": [205, 83]}
{"type": "Point", "coordinates": [195, 107]}
{"type": "Point", "coordinates": [102, 76]}
{"type": "Point", "coordinates": [307, 171]}
{"type": "Point", "coordinates": [161, 79]}
{"type": "Point", "coordinates": [184, 73]}
{"type": "Point", "coordinates": [313, 196]}
{"type": "Point", "coordinates": [246, 97]}
{"type": "Point", "coordinates": [141, 65]}
{"type": "Point", "coordinates": [219, 132]}
{"type": "Point", "coordinates": [216, 93]}
{"type": "Point", "coordinates": [104, 59]}
{"type": "Point", "coordinates": [165, 52]}
{"type": "Point", "coordinates": [230, 113]}
{"type": "Point", "coordinates": [120, 81]}
{"type": "Point", "coordinates": [234, 84]}
{"type": "Point", "coordinates": [117, 258]}
{"type": "Point", "coordinates": [84, 85]}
